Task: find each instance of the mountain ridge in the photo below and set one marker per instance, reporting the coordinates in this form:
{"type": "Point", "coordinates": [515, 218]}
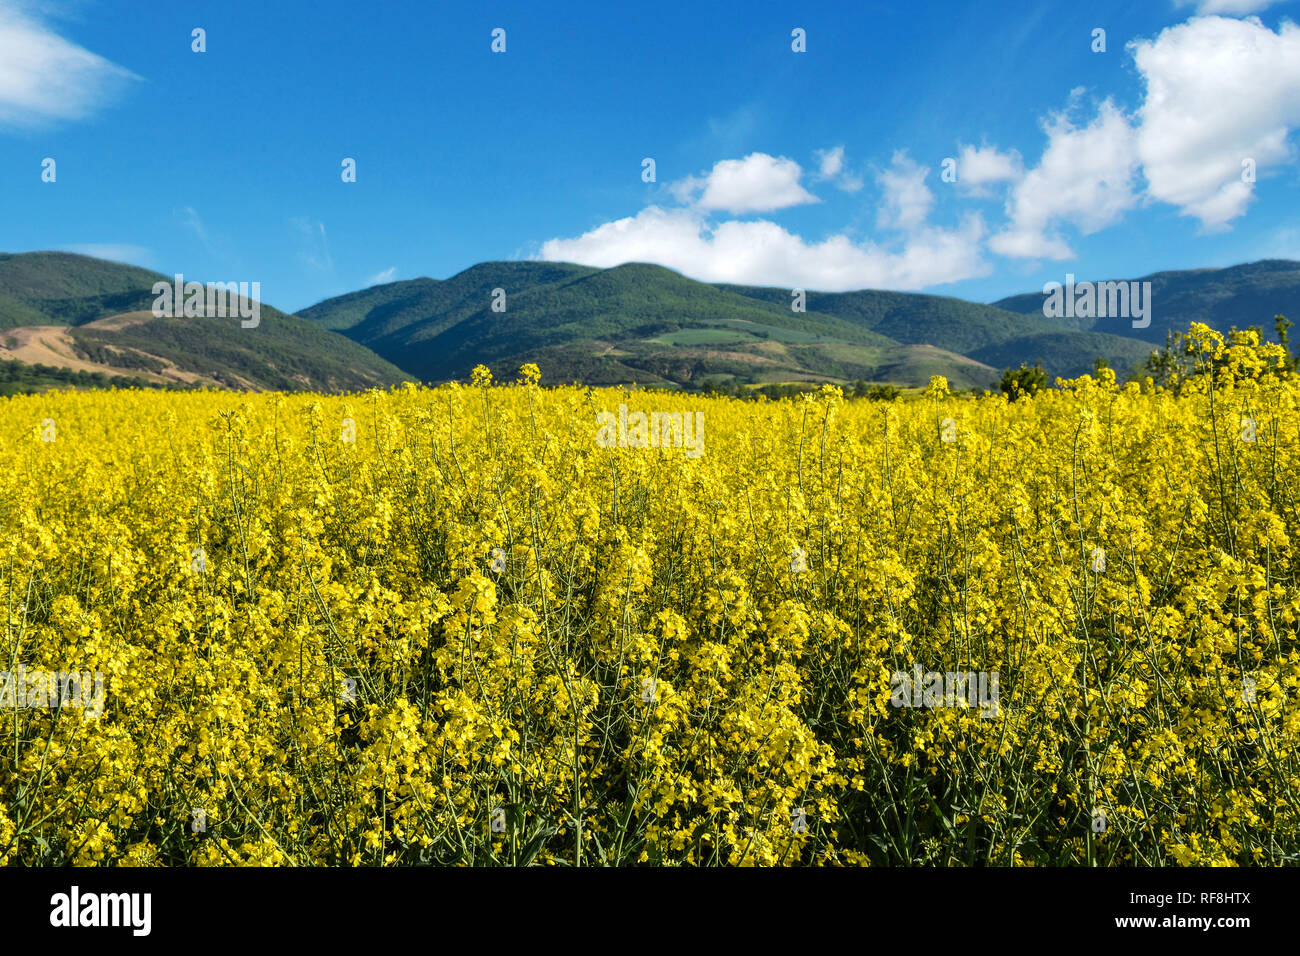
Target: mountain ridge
{"type": "Point", "coordinates": [632, 323]}
{"type": "Point", "coordinates": [92, 315]}
{"type": "Point", "coordinates": [652, 325]}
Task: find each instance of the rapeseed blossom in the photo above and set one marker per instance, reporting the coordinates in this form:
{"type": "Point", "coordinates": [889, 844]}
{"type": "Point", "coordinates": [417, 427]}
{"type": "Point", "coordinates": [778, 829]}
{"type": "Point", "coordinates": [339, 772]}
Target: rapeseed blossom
{"type": "Point", "coordinates": [459, 631]}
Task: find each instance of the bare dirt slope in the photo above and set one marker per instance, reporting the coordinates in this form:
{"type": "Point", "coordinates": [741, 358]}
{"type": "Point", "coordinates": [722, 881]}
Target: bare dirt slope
{"type": "Point", "coordinates": [53, 345]}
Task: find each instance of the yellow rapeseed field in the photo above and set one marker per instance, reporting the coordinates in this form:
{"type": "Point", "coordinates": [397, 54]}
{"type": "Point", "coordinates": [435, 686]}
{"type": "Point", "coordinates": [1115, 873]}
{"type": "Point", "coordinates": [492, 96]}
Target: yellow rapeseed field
{"type": "Point", "coordinates": [451, 626]}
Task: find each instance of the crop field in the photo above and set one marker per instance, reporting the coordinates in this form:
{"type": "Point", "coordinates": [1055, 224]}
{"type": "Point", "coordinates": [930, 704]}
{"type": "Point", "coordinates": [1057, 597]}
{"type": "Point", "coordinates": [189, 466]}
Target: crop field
{"type": "Point", "coordinates": [454, 626]}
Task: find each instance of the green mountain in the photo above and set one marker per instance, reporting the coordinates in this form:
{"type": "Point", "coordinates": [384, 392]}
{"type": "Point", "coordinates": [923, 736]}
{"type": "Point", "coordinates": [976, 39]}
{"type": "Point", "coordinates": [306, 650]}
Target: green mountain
{"type": "Point", "coordinates": [631, 323]}
{"type": "Point", "coordinates": [634, 322]}
{"type": "Point", "coordinates": [911, 318]}
{"type": "Point", "coordinates": [645, 323]}
{"type": "Point", "coordinates": [1243, 295]}
{"type": "Point", "coordinates": [648, 324]}
{"type": "Point", "coordinates": [1068, 354]}
{"type": "Point", "coordinates": [88, 315]}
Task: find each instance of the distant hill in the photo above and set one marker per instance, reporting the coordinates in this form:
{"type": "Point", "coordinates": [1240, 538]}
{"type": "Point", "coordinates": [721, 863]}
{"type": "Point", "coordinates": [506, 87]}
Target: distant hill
{"type": "Point", "coordinates": [632, 323]}
{"type": "Point", "coordinates": [1244, 295]}
{"type": "Point", "coordinates": [648, 324]}
{"type": "Point", "coordinates": [1068, 354]}
{"type": "Point", "coordinates": [88, 315]}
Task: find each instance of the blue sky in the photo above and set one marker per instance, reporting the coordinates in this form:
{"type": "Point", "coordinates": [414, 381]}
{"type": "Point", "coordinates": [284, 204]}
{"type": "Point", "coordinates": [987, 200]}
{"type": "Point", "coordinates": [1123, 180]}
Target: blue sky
{"type": "Point", "coordinates": [820, 169]}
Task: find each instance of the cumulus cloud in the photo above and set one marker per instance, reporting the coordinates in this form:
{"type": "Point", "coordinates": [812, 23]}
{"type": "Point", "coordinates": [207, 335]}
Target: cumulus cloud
{"type": "Point", "coordinates": [757, 183]}
{"type": "Point", "coordinates": [907, 200]}
{"type": "Point", "coordinates": [831, 162]}
{"type": "Point", "coordinates": [44, 77]}
{"type": "Point", "coordinates": [1085, 178]}
{"type": "Point", "coordinates": [979, 167]}
{"type": "Point", "coordinates": [763, 253]}
{"type": "Point", "coordinates": [831, 168]}
{"type": "Point", "coordinates": [1219, 91]}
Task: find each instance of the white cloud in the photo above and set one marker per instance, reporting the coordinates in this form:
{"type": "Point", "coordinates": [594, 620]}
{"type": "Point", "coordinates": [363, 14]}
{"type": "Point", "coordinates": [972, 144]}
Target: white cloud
{"type": "Point", "coordinates": [831, 162]}
{"type": "Point", "coordinates": [1236, 7]}
{"type": "Point", "coordinates": [907, 199]}
{"type": "Point", "coordinates": [831, 168]}
{"type": "Point", "coordinates": [979, 167]}
{"type": "Point", "coordinates": [382, 278]}
{"type": "Point", "coordinates": [44, 77]}
{"type": "Point", "coordinates": [1029, 244]}
{"type": "Point", "coordinates": [113, 251]}
{"type": "Point", "coordinates": [757, 183]}
{"type": "Point", "coordinates": [1218, 91]}
{"type": "Point", "coordinates": [1085, 178]}
{"type": "Point", "coordinates": [763, 253]}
